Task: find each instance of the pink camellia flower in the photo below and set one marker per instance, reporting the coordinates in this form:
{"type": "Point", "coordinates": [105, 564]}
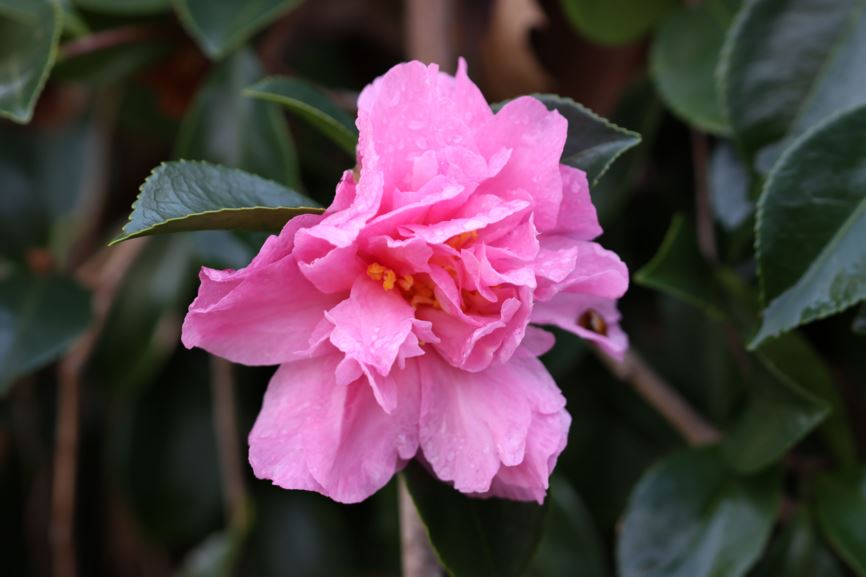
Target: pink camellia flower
{"type": "Point", "coordinates": [400, 319]}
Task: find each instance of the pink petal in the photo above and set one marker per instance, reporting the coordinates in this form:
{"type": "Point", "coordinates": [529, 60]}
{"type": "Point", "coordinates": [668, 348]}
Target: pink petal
{"type": "Point", "coordinates": [594, 270]}
{"type": "Point", "coordinates": [263, 314]}
{"type": "Point", "coordinates": [474, 424]}
{"type": "Point", "coordinates": [577, 214]}
{"type": "Point", "coordinates": [567, 310]}
{"type": "Point", "coordinates": [528, 481]}
{"type": "Point", "coordinates": [315, 435]}
{"type": "Point", "coordinates": [536, 137]}
{"type": "Point", "coordinates": [371, 327]}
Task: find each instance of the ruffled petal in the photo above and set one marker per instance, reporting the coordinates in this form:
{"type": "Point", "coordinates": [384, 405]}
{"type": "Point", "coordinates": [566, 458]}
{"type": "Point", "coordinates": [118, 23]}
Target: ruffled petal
{"type": "Point", "coordinates": [264, 314]}
{"type": "Point", "coordinates": [371, 328]}
{"type": "Point", "coordinates": [474, 424]}
{"type": "Point", "coordinates": [536, 137]}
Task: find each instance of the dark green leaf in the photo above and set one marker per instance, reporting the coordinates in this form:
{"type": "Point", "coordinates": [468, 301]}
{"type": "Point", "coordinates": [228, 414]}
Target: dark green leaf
{"type": "Point", "coordinates": [39, 319]}
{"type": "Point", "coordinates": [164, 450]}
{"type": "Point", "coordinates": [811, 228]}
{"type": "Point", "coordinates": [220, 26]}
{"type": "Point", "coordinates": [690, 516]}
{"type": "Point", "coordinates": [615, 21]}
{"type": "Point", "coordinates": [125, 6]}
{"type": "Point", "coordinates": [840, 504]}
{"type": "Point", "coordinates": [224, 127]}
{"type": "Point", "coordinates": [791, 388]}
{"type": "Point", "coordinates": [795, 363]}
{"type": "Point", "coordinates": [685, 54]}
{"type": "Point", "coordinates": [184, 196]}
{"type": "Point", "coordinates": [29, 31]}
{"type": "Point", "coordinates": [788, 65]}
{"type": "Point", "coordinates": [679, 270]}
{"type": "Point", "coordinates": [777, 416]}
{"type": "Point", "coordinates": [798, 552]}
{"type": "Point", "coordinates": [112, 65]}
{"type": "Point", "coordinates": [729, 184]}
{"type": "Point", "coordinates": [475, 537]}
{"type": "Point", "coordinates": [570, 544]}
{"type": "Point", "coordinates": [44, 176]}
{"type": "Point", "coordinates": [311, 104]}
{"type": "Point", "coordinates": [593, 143]}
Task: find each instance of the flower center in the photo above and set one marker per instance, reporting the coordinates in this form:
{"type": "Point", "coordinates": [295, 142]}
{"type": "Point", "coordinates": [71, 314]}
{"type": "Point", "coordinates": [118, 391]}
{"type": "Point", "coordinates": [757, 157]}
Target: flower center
{"type": "Point", "coordinates": [417, 291]}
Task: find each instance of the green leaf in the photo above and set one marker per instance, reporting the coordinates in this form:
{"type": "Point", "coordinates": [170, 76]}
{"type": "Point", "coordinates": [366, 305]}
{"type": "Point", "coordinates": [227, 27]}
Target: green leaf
{"type": "Point", "coordinates": [840, 504]}
{"type": "Point", "coordinates": [39, 319]}
{"type": "Point", "coordinates": [593, 143]}
{"type": "Point", "coordinates": [788, 65]}
{"type": "Point", "coordinates": [811, 228]}
{"type": "Point", "coordinates": [475, 537]}
{"type": "Point", "coordinates": [311, 104]}
{"type": "Point", "coordinates": [729, 184]}
{"type": "Point", "coordinates": [795, 363]}
{"type": "Point", "coordinates": [615, 21]}
{"type": "Point", "coordinates": [691, 516]}
{"type": "Point", "coordinates": [777, 417]}
{"type": "Point", "coordinates": [791, 388]}
{"type": "Point", "coordinates": [798, 552]}
{"type": "Point", "coordinates": [29, 32]}
{"type": "Point", "coordinates": [684, 57]}
{"type": "Point", "coordinates": [220, 26]}
{"type": "Point", "coordinates": [125, 7]}
{"type": "Point", "coordinates": [570, 544]}
{"type": "Point", "coordinates": [184, 196]}
{"type": "Point", "coordinates": [224, 127]}
{"type": "Point", "coordinates": [45, 175]}
{"type": "Point", "coordinates": [679, 270]}
{"type": "Point", "coordinates": [112, 65]}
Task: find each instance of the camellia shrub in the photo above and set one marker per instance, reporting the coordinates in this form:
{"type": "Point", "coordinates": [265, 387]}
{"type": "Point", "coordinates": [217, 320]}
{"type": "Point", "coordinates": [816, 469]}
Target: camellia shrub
{"type": "Point", "coordinates": [504, 288]}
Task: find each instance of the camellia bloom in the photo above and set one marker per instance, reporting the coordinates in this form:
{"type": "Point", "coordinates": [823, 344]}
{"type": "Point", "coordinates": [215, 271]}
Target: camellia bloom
{"type": "Point", "coordinates": [400, 319]}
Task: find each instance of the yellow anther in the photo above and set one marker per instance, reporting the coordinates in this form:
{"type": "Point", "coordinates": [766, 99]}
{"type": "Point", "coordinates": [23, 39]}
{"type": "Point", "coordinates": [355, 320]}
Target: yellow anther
{"type": "Point", "coordinates": [389, 280]}
{"type": "Point", "coordinates": [406, 281]}
{"type": "Point", "coordinates": [376, 271]}
{"type": "Point", "coordinates": [459, 241]}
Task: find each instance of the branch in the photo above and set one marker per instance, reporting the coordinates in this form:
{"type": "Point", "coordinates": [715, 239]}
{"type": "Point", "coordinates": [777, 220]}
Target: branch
{"type": "Point", "coordinates": [662, 397]}
{"type": "Point", "coordinates": [68, 411]}
{"type": "Point", "coordinates": [418, 557]}
{"type": "Point", "coordinates": [429, 31]}
{"type": "Point", "coordinates": [107, 39]}
{"type": "Point", "coordinates": [226, 430]}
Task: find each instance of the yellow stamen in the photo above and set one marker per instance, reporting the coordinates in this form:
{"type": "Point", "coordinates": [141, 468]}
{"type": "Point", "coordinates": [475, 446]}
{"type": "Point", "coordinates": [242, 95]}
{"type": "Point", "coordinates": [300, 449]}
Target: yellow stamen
{"type": "Point", "coordinates": [376, 271]}
{"type": "Point", "coordinates": [389, 280]}
{"type": "Point", "coordinates": [406, 282]}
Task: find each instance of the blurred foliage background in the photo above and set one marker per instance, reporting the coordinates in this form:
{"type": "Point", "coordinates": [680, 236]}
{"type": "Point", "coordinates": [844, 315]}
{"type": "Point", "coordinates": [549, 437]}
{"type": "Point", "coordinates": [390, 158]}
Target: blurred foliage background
{"type": "Point", "coordinates": [123, 454]}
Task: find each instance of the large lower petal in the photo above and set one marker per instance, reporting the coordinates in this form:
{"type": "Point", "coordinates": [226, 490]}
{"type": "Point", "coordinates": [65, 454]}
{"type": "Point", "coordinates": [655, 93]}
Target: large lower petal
{"type": "Point", "coordinates": [474, 424]}
{"type": "Point", "coordinates": [316, 435]}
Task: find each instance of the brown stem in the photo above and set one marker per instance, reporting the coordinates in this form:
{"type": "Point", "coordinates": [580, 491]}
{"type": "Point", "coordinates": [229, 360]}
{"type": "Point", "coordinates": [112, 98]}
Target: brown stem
{"type": "Point", "coordinates": [429, 31]}
{"type": "Point", "coordinates": [226, 430]}
{"type": "Point", "coordinates": [419, 560]}
{"type": "Point", "coordinates": [68, 410]}
{"type": "Point", "coordinates": [107, 39]}
{"type": "Point", "coordinates": [704, 213]}
{"type": "Point", "coordinates": [663, 398]}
